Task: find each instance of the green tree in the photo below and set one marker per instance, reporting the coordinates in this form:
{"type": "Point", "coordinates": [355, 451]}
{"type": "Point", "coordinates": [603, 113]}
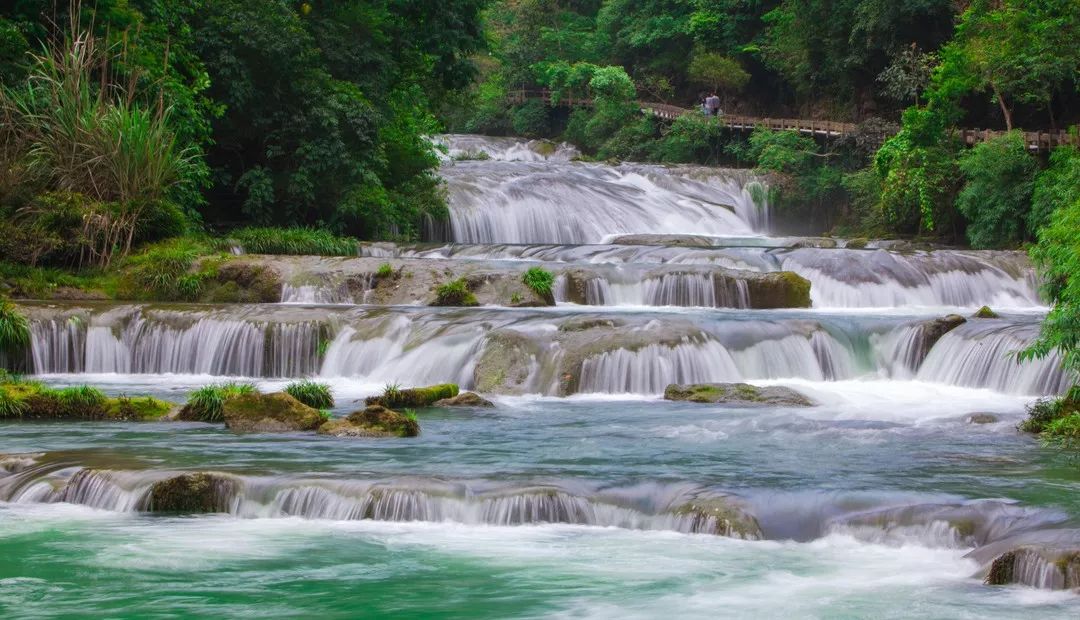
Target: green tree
{"type": "Point", "coordinates": [996, 198]}
{"type": "Point", "coordinates": [717, 72]}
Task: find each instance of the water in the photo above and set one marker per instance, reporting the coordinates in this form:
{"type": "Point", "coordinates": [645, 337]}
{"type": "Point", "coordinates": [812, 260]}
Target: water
{"type": "Point", "coordinates": [582, 493]}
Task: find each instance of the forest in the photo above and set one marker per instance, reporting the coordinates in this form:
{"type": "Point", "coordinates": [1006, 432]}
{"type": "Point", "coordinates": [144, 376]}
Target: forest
{"type": "Point", "coordinates": [135, 133]}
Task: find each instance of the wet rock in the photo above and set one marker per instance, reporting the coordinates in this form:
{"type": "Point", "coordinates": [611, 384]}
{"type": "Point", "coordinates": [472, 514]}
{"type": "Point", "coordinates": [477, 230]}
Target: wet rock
{"type": "Point", "coordinates": [244, 280]}
{"type": "Point", "coordinates": [985, 313]}
{"type": "Point", "coordinates": [780, 289]}
{"type": "Point", "coordinates": [1038, 566]}
{"type": "Point", "coordinates": [981, 418]}
{"type": "Point", "coordinates": [373, 421]}
{"type": "Point", "coordinates": [269, 413]}
{"type": "Point", "coordinates": [580, 325]}
{"type": "Point", "coordinates": [194, 493]}
{"type": "Point", "coordinates": [689, 241]}
{"type": "Point", "coordinates": [414, 397]}
{"type": "Point", "coordinates": [505, 365]}
{"type": "Point", "coordinates": [824, 243]}
{"type": "Point", "coordinates": [464, 399]}
{"type": "Point", "coordinates": [857, 243]}
{"type": "Point", "coordinates": [719, 516]}
{"type": "Point", "coordinates": [741, 393]}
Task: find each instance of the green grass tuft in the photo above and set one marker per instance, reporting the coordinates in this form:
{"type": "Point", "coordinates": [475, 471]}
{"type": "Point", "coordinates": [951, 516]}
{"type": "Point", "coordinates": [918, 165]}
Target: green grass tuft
{"type": "Point", "coordinates": [538, 279]}
{"type": "Point", "coordinates": [14, 329]}
{"type": "Point", "coordinates": [384, 271]}
{"type": "Point", "coordinates": [294, 241]}
{"type": "Point", "coordinates": [208, 403]}
{"type": "Point", "coordinates": [455, 293]}
{"type": "Point", "coordinates": [313, 394]}
{"type": "Point", "coordinates": [81, 399]}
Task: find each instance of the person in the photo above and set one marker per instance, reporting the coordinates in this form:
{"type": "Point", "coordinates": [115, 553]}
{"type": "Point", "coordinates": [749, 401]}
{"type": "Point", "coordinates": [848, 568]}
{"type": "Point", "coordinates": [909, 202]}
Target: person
{"type": "Point", "coordinates": [701, 103]}
{"type": "Point", "coordinates": [712, 104]}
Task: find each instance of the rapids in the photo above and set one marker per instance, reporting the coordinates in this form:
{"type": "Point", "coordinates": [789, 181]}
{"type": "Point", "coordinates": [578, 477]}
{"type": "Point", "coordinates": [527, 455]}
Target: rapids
{"type": "Point", "coordinates": [582, 493]}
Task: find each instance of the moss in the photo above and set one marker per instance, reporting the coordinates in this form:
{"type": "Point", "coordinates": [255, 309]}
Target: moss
{"type": "Point", "coordinates": [195, 493]}
{"type": "Point", "coordinates": [781, 289]}
{"type": "Point", "coordinates": [857, 243]}
{"type": "Point", "coordinates": [269, 413]}
{"type": "Point", "coordinates": [414, 397]}
{"type": "Point", "coordinates": [137, 409]}
{"type": "Point", "coordinates": [985, 313]}
{"type": "Point", "coordinates": [388, 421]}
{"type": "Point", "coordinates": [736, 393]}
{"type": "Point", "coordinates": [719, 517]}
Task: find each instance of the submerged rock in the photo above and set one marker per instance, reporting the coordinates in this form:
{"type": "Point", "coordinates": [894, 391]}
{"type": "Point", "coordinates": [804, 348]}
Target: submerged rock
{"type": "Point", "coordinates": [464, 399]}
{"type": "Point", "coordinates": [741, 393]}
{"type": "Point", "coordinates": [505, 364]}
{"type": "Point", "coordinates": [981, 418]}
{"type": "Point", "coordinates": [414, 397]}
{"type": "Point", "coordinates": [269, 413]}
{"type": "Point", "coordinates": [194, 493]}
{"type": "Point", "coordinates": [688, 241]}
{"type": "Point", "coordinates": [985, 313]}
{"type": "Point", "coordinates": [718, 516]}
{"type": "Point", "coordinates": [373, 421]}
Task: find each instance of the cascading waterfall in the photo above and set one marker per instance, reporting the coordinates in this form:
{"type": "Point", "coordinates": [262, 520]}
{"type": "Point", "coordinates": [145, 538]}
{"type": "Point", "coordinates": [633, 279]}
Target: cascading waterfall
{"type": "Point", "coordinates": [461, 147]}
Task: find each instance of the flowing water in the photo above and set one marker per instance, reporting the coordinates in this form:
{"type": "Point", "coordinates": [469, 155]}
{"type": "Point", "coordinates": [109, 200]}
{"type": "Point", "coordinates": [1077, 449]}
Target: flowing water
{"type": "Point", "coordinates": [566, 499]}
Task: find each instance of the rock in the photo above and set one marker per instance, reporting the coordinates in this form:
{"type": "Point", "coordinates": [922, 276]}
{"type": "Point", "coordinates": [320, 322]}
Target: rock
{"type": "Point", "coordinates": [718, 516]}
{"type": "Point", "coordinates": [414, 397]}
{"type": "Point", "coordinates": [505, 365]}
{"type": "Point", "coordinates": [779, 289]}
{"type": "Point", "coordinates": [857, 243]}
{"type": "Point", "coordinates": [464, 399]}
{"type": "Point", "coordinates": [194, 493]}
{"type": "Point", "coordinates": [985, 313]}
{"type": "Point", "coordinates": [269, 413]}
{"type": "Point", "coordinates": [1038, 566]}
{"type": "Point", "coordinates": [580, 325]}
{"type": "Point", "coordinates": [688, 241]}
{"type": "Point", "coordinates": [138, 409]}
{"type": "Point", "coordinates": [741, 393]}
{"type": "Point", "coordinates": [244, 280]}
{"type": "Point", "coordinates": [981, 418]}
{"type": "Point", "coordinates": [373, 421]}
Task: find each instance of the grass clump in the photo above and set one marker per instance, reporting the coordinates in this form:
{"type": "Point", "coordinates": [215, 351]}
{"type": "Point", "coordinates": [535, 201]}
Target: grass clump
{"type": "Point", "coordinates": [207, 404]}
{"type": "Point", "coordinates": [1056, 420]}
{"type": "Point", "coordinates": [394, 397]}
{"type": "Point", "coordinates": [82, 397]}
{"type": "Point", "coordinates": [295, 241]}
{"type": "Point", "coordinates": [14, 329]}
{"type": "Point", "coordinates": [539, 280]}
{"type": "Point", "coordinates": [166, 271]}
{"type": "Point", "coordinates": [384, 271]}
{"type": "Point", "coordinates": [455, 293]}
{"type": "Point", "coordinates": [311, 393]}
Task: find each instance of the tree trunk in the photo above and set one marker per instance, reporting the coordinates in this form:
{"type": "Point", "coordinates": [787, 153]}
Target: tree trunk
{"type": "Point", "coordinates": [1005, 111]}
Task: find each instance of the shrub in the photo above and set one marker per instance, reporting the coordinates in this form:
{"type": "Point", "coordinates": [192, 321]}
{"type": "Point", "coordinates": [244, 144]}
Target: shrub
{"type": "Point", "coordinates": [530, 119]}
{"type": "Point", "coordinates": [294, 241]}
{"type": "Point", "coordinates": [11, 406]}
{"type": "Point", "coordinates": [455, 293]}
{"type": "Point", "coordinates": [997, 197]}
{"type": "Point", "coordinates": [207, 403]}
{"type": "Point", "coordinates": [163, 272]}
{"type": "Point", "coordinates": [538, 279]}
{"type": "Point", "coordinates": [384, 271]}
{"type": "Point", "coordinates": [1043, 412]}
{"type": "Point", "coordinates": [313, 394]}
{"type": "Point", "coordinates": [14, 329]}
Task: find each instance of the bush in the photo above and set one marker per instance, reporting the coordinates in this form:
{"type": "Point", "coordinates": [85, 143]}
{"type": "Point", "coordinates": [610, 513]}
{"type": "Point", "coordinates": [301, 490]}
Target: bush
{"type": "Point", "coordinates": [530, 119]}
{"type": "Point", "coordinates": [11, 406]}
{"type": "Point", "coordinates": [163, 272]}
{"type": "Point", "coordinates": [633, 142]}
{"type": "Point", "coordinates": [455, 293]}
{"type": "Point", "coordinates": [14, 329]}
{"type": "Point", "coordinates": [207, 403]}
{"type": "Point", "coordinates": [294, 241]}
{"type": "Point", "coordinates": [1056, 187]}
{"type": "Point", "coordinates": [1000, 174]}
{"type": "Point", "coordinates": [385, 271]}
{"type": "Point", "coordinates": [538, 279]}
{"type": "Point", "coordinates": [692, 138]}
{"type": "Point", "coordinates": [313, 394]}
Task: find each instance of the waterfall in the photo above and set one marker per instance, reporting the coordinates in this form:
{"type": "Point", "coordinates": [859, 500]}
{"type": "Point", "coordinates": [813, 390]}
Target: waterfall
{"type": "Point", "coordinates": [471, 147]}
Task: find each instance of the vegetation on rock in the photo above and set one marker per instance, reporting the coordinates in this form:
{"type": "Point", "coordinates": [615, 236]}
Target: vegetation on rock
{"type": "Point", "coordinates": [311, 393]}
{"type": "Point", "coordinates": [207, 404]}
{"type": "Point", "coordinates": [269, 413]}
{"type": "Point", "coordinates": [394, 397]}
{"type": "Point", "coordinates": [454, 293]}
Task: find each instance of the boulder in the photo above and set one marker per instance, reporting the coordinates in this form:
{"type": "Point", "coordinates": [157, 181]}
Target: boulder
{"type": "Point", "coordinates": [689, 241]}
{"type": "Point", "coordinates": [193, 493]}
{"type": "Point", "coordinates": [1038, 566]}
{"type": "Point", "coordinates": [464, 399]}
{"type": "Point", "coordinates": [981, 418]}
{"type": "Point", "coordinates": [719, 516]}
{"type": "Point", "coordinates": [929, 333]}
{"type": "Point", "coordinates": [778, 289]}
{"type": "Point", "coordinates": [737, 393]}
{"type": "Point", "coordinates": [269, 413]}
{"type": "Point", "coordinates": [373, 421]}
{"type": "Point", "coordinates": [505, 364]}
{"type": "Point", "coordinates": [857, 243]}
{"type": "Point", "coordinates": [414, 397]}
{"type": "Point", "coordinates": [985, 313]}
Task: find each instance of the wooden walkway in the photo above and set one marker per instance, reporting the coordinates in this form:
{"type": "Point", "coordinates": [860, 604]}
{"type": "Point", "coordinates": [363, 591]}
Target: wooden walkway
{"type": "Point", "coordinates": [1036, 140]}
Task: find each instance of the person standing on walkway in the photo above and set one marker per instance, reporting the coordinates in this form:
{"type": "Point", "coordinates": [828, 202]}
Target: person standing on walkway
{"type": "Point", "coordinates": [712, 104]}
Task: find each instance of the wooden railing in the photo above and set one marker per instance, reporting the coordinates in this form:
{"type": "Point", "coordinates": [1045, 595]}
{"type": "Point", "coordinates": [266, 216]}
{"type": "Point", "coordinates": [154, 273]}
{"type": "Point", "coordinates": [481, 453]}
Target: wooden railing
{"type": "Point", "coordinates": [1035, 140]}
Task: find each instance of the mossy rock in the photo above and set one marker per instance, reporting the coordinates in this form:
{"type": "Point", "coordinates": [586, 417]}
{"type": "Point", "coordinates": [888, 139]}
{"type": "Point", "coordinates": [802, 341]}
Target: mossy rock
{"type": "Point", "coordinates": [137, 409]}
{"type": "Point", "coordinates": [415, 397]}
{"type": "Point", "coordinates": [779, 289]}
{"type": "Point", "coordinates": [195, 493]}
{"type": "Point", "coordinates": [373, 421]}
{"type": "Point", "coordinates": [465, 399]}
{"type": "Point", "coordinates": [857, 243]}
{"type": "Point", "coordinates": [269, 413]}
{"type": "Point", "coordinates": [981, 418]}
{"type": "Point", "coordinates": [985, 313]}
{"type": "Point", "coordinates": [1061, 567]}
{"type": "Point", "coordinates": [580, 325]}
{"type": "Point", "coordinates": [719, 516]}
{"type": "Point", "coordinates": [47, 405]}
{"type": "Point", "coordinates": [505, 363]}
{"type": "Point", "coordinates": [242, 281]}
{"type": "Point", "coordinates": [737, 393]}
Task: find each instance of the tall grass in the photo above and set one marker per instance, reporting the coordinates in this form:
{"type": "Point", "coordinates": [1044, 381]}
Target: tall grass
{"type": "Point", "coordinates": [208, 403]}
{"type": "Point", "coordinates": [311, 393]}
{"type": "Point", "coordinates": [14, 329]}
{"type": "Point", "coordinates": [294, 241]}
{"type": "Point", "coordinates": [164, 271]}
{"type": "Point", "coordinates": [81, 398]}
{"type": "Point", "coordinates": [538, 279]}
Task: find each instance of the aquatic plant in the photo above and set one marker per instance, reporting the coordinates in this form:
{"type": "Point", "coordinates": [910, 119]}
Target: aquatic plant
{"type": "Point", "coordinates": [207, 403]}
{"type": "Point", "coordinates": [311, 393]}
{"type": "Point", "coordinates": [539, 280]}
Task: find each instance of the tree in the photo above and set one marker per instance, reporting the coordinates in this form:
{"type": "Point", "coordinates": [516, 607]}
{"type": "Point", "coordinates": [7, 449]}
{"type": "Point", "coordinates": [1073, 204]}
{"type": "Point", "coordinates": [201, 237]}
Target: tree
{"type": "Point", "coordinates": [907, 75]}
{"type": "Point", "coordinates": [719, 73]}
{"type": "Point", "coordinates": [997, 195]}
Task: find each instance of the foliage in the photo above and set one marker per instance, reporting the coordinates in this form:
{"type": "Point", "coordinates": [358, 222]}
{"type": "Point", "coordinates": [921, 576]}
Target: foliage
{"type": "Point", "coordinates": [690, 138]}
{"type": "Point", "coordinates": [454, 293]}
{"type": "Point", "coordinates": [539, 280]}
{"type": "Point", "coordinates": [530, 119]}
{"type": "Point", "coordinates": [1000, 174]}
{"type": "Point", "coordinates": [293, 241]}
{"type": "Point", "coordinates": [1055, 187]}
{"type": "Point", "coordinates": [81, 398]}
{"type": "Point", "coordinates": [1056, 420]}
{"type": "Point", "coordinates": [14, 329]}
{"type": "Point", "coordinates": [311, 393]}
{"type": "Point", "coordinates": [384, 271]}
{"type": "Point", "coordinates": [207, 403]}
{"type": "Point", "coordinates": [632, 142]}
{"type": "Point", "coordinates": [802, 174]}
{"type": "Point", "coordinates": [907, 75]}
{"type": "Point", "coordinates": [166, 271]}
{"type": "Point", "coordinates": [717, 72]}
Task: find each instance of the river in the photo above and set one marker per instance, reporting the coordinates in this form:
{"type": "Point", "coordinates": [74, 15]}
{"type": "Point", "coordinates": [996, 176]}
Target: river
{"type": "Point", "coordinates": [566, 499]}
